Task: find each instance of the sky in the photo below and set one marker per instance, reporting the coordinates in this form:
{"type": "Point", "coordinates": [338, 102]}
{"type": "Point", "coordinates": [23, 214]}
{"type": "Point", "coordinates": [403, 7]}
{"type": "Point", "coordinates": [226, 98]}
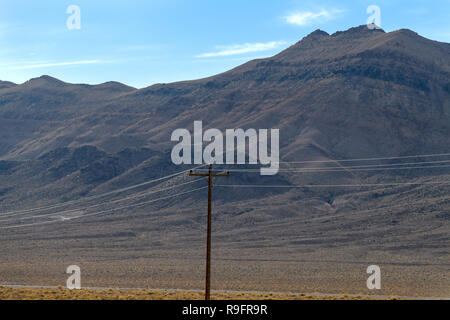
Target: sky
{"type": "Point", "coordinates": [143, 42]}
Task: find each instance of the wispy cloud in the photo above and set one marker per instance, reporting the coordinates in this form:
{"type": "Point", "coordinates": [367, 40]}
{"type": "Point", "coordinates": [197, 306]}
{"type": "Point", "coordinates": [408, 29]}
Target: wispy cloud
{"type": "Point", "coordinates": [236, 49]}
{"type": "Point", "coordinates": [304, 18]}
{"type": "Point", "coordinates": [56, 64]}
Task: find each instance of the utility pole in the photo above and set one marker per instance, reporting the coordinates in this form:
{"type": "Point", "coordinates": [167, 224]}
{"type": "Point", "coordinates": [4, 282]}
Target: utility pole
{"type": "Point", "coordinates": [210, 175]}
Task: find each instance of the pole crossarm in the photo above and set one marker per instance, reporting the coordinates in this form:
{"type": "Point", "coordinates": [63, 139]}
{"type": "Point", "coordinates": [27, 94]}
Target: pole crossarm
{"type": "Point", "coordinates": [210, 175]}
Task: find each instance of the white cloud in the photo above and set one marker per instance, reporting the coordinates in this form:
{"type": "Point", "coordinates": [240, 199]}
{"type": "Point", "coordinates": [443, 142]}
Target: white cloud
{"type": "Point", "coordinates": [56, 64]}
{"type": "Point", "coordinates": [241, 49]}
{"type": "Point", "coordinates": [304, 18]}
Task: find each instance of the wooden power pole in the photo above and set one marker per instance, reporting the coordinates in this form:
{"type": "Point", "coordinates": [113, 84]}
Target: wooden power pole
{"type": "Point", "coordinates": [210, 175]}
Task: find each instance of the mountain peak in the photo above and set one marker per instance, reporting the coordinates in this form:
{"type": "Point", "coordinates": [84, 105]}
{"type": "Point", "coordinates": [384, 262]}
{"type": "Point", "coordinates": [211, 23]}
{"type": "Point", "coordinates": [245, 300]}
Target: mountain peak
{"type": "Point", "coordinates": [114, 85]}
{"type": "Point", "coordinates": [362, 30]}
{"type": "Point", "coordinates": [45, 80]}
{"type": "Point", "coordinates": [314, 36]}
{"type": "Point", "coordinates": [314, 39]}
{"type": "Point", "coordinates": [317, 34]}
{"type": "Point", "coordinates": [406, 32]}
{"type": "Point", "coordinates": [7, 84]}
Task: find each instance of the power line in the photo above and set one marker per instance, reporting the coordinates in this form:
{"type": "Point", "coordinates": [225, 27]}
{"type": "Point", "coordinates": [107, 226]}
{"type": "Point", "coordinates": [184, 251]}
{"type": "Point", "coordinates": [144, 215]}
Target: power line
{"type": "Point", "coordinates": [331, 185]}
{"type": "Point", "coordinates": [379, 165]}
{"type": "Point", "coordinates": [100, 204]}
{"type": "Point", "coordinates": [372, 159]}
{"type": "Point", "coordinates": [99, 195]}
{"type": "Point", "coordinates": [100, 212]}
{"type": "Point", "coordinates": [370, 166]}
{"type": "Point", "coordinates": [342, 169]}
{"type": "Point", "coordinates": [235, 170]}
{"type": "Point", "coordinates": [103, 203]}
{"type": "Point", "coordinates": [290, 170]}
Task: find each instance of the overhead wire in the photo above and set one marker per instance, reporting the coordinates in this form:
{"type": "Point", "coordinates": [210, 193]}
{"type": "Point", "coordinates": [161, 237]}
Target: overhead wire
{"type": "Point", "coordinates": [332, 185]}
{"type": "Point", "coordinates": [100, 212]}
{"type": "Point", "coordinates": [100, 204]}
{"type": "Point", "coordinates": [89, 198]}
{"type": "Point", "coordinates": [371, 159]}
{"type": "Point", "coordinates": [315, 170]}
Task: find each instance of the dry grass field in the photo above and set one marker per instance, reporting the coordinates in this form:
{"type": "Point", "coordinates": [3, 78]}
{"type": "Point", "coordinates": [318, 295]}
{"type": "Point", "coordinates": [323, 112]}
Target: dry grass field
{"type": "Point", "coordinates": [61, 293]}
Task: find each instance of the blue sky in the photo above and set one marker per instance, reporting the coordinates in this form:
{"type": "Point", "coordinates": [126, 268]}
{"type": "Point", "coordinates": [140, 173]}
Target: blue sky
{"type": "Point", "coordinates": [141, 42]}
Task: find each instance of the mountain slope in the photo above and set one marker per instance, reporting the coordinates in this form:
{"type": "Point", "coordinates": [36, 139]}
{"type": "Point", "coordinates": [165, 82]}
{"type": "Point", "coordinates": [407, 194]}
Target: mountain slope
{"type": "Point", "coordinates": [351, 86]}
{"type": "Point", "coordinates": [353, 94]}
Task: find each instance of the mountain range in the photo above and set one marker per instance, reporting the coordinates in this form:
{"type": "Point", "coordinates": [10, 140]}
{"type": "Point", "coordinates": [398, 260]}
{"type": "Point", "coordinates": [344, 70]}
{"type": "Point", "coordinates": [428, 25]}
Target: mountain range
{"type": "Point", "coordinates": [354, 94]}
